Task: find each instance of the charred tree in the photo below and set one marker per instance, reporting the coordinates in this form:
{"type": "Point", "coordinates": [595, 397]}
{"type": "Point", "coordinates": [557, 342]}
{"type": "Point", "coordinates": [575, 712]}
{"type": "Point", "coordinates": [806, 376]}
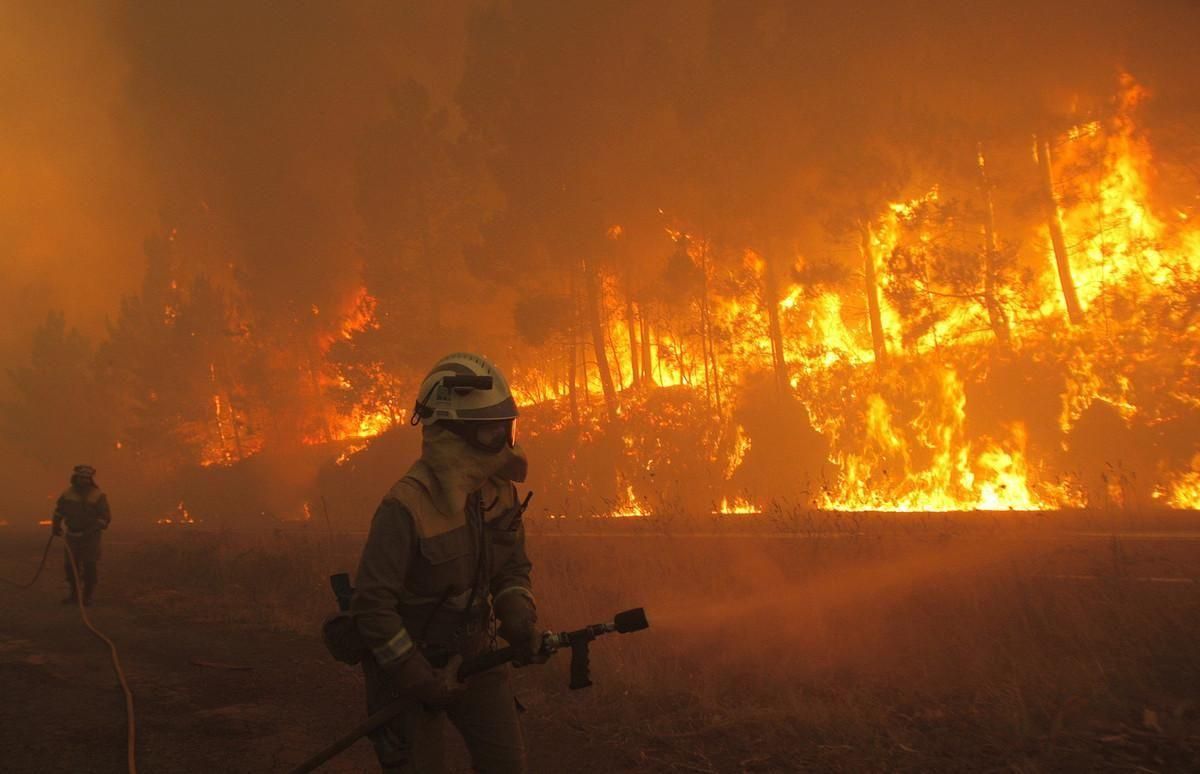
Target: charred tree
{"type": "Point", "coordinates": [712, 382]}
{"type": "Point", "coordinates": [573, 355]}
{"type": "Point", "coordinates": [572, 376]}
{"type": "Point", "coordinates": [997, 319]}
{"type": "Point", "coordinates": [1054, 223]}
{"type": "Point", "coordinates": [233, 426]}
{"type": "Point", "coordinates": [647, 359]}
{"type": "Point", "coordinates": [630, 317]}
{"type": "Point", "coordinates": [231, 409]}
{"type": "Point", "coordinates": [595, 320]}
{"type": "Point", "coordinates": [585, 381]}
{"type": "Point", "coordinates": [631, 326]}
{"type": "Point", "coordinates": [611, 342]}
{"type": "Point", "coordinates": [871, 286]}
{"type": "Point", "coordinates": [774, 327]}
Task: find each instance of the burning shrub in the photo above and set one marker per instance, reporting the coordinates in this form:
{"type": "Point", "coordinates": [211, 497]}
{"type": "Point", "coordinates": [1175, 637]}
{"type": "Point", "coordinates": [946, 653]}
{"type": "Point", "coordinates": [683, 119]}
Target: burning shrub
{"type": "Point", "coordinates": [786, 459]}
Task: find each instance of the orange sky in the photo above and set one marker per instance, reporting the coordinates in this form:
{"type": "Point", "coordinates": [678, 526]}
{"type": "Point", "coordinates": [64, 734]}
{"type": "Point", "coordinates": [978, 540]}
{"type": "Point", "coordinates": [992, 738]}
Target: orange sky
{"type": "Point", "coordinates": [75, 200]}
{"type": "Point", "coordinates": [80, 191]}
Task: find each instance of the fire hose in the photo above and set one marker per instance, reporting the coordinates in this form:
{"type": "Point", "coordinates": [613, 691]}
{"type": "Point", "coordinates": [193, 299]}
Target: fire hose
{"type": "Point", "coordinates": [130, 720]}
{"type": "Point", "coordinates": [36, 575]}
{"type": "Point", "coordinates": [577, 641]}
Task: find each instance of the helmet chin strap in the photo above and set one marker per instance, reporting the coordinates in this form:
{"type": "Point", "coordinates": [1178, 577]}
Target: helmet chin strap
{"type": "Point", "coordinates": [422, 409]}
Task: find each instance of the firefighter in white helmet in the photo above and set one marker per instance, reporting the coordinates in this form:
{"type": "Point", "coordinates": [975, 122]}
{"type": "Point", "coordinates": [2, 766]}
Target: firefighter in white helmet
{"type": "Point", "coordinates": [446, 550]}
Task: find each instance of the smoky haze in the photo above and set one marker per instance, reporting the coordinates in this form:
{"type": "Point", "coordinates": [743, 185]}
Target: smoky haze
{"type": "Point", "coordinates": [235, 124]}
{"type": "Point", "coordinates": [463, 165]}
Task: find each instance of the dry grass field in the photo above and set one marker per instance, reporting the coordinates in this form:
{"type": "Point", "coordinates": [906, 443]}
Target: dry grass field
{"type": "Point", "coordinates": [819, 643]}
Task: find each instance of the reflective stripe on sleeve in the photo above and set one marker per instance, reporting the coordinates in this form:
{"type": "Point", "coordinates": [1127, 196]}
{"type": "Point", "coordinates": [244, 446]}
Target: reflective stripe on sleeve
{"type": "Point", "coordinates": [399, 645]}
{"type": "Point", "coordinates": [516, 589]}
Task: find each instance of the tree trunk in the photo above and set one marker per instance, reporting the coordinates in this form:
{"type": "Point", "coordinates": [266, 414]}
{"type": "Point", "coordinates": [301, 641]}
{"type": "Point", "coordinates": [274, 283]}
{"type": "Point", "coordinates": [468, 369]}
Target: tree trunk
{"type": "Point", "coordinates": [996, 316]}
{"type": "Point", "coordinates": [230, 384]}
{"type": "Point", "coordinates": [596, 324]}
{"type": "Point", "coordinates": [878, 342]}
{"type": "Point", "coordinates": [573, 362]}
{"type": "Point", "coordinates": [631, 325]}
{"type": "Point", "coordinates": [1061, 259]}
{"type": "Point", "coordinates": [712, 387]}
{"type": "Point", "coordinates": [611, 342]}
{"type": "Point", "coordinates": [712, 346]}
{"type": "Point", "coordinates": [233, 426]}
{"type": "Point", "coordinates": [585, 381]}
{"type": "Point", "coordinates": [630, 317]}
{"type": "Point", "coordinates": [231, 409]}
{"type": "Point", "coordinates": [572, 376]}
{"type": "Point", "coordinates": [774, 327]}
{"type": "Point", "coordinates": [647, 359]}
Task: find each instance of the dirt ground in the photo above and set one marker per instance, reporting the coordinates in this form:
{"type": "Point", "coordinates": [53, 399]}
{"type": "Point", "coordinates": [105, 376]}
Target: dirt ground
{"type": "Point", "coordinates": [62, 711]}
{"type": "Point", "coordinates": [933, 648]}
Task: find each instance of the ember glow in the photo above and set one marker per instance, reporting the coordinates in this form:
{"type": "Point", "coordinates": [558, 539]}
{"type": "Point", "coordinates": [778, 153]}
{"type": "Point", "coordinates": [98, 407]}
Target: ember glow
{"type": "Point", "coordinates": [181, 517]}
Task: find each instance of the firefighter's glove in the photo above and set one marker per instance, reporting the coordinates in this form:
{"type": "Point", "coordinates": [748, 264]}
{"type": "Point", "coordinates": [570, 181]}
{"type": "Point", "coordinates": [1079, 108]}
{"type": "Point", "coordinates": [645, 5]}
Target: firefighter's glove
{"type": "Point", "coordinates": [528, 647]}
{"type": "Point", "coordinates": [435, 688]}
{"type": "Point", "coordinates": [518, 626]}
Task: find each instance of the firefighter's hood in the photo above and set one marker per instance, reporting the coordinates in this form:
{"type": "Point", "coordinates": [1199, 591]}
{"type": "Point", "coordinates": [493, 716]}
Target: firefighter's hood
{"type": "Point", "coordinates": [451, 469]}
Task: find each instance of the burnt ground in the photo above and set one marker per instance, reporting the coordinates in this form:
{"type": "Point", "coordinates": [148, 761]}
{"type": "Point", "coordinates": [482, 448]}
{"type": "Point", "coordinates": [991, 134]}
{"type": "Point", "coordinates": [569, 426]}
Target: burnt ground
{"type": "Point", "coordinates": [61, 709]}
{"type": "Point", "coordinates": [1057, 663]}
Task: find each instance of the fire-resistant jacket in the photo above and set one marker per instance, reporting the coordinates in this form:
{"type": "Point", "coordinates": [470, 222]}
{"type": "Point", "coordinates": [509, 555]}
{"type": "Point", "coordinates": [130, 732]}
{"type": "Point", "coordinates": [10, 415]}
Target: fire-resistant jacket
{"type": "Point", "coordinates": [83, 511]}
{"type": "Point", "coordinates": [420, 565]}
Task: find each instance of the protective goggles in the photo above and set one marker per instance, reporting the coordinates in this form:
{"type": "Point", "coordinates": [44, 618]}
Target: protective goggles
{"type": "Point", "coordinates": [491, 436]}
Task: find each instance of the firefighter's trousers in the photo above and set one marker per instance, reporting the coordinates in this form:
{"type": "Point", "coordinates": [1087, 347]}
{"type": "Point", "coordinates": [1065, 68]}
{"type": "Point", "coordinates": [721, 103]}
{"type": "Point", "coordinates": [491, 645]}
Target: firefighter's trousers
{"type": "Point", "coordinates": [486, 716]}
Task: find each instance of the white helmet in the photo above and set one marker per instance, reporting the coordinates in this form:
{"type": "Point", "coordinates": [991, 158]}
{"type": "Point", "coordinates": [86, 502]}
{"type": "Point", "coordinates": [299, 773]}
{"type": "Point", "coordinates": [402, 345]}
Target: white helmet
{"type": "Point", "coordinates": [463, 387]}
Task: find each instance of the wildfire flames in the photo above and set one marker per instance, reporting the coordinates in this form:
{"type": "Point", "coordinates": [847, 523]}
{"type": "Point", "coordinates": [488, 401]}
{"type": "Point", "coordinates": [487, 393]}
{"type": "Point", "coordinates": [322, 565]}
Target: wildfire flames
{"type": "Point", "coordinates": [890, 398]}
{"type": "Point", "coordinates": [181, 518]}
{"type": "Point", "coordinates": [994, 308]}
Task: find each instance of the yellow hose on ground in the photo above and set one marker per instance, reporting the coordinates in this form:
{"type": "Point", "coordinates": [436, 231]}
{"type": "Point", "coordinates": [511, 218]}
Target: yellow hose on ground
{"type": "Point", "coordinates": [130, 724]}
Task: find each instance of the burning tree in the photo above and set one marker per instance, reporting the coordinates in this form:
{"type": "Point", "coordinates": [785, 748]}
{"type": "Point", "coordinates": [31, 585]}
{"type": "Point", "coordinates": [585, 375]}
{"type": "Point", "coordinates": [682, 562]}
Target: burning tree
{"type": "Point", "coordinates": [726, 251]}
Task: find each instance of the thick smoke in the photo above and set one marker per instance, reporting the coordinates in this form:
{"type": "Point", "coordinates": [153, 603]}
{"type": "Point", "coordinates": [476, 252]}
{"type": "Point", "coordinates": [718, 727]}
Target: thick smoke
{"type": "Point", "coordinates": [463, 160]}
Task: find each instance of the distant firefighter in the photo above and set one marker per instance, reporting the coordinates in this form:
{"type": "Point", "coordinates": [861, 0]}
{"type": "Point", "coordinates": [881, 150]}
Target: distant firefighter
{"type": "Point", "coordinates": [447, 549]}
{"type": "Point", "coordinates": [84, 510]}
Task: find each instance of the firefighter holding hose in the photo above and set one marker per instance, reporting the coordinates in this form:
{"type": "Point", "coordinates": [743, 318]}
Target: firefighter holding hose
{"type": "Point", "coordinates": [83, 509]}
{"type": "Point", "coordinates": [446, 552]}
